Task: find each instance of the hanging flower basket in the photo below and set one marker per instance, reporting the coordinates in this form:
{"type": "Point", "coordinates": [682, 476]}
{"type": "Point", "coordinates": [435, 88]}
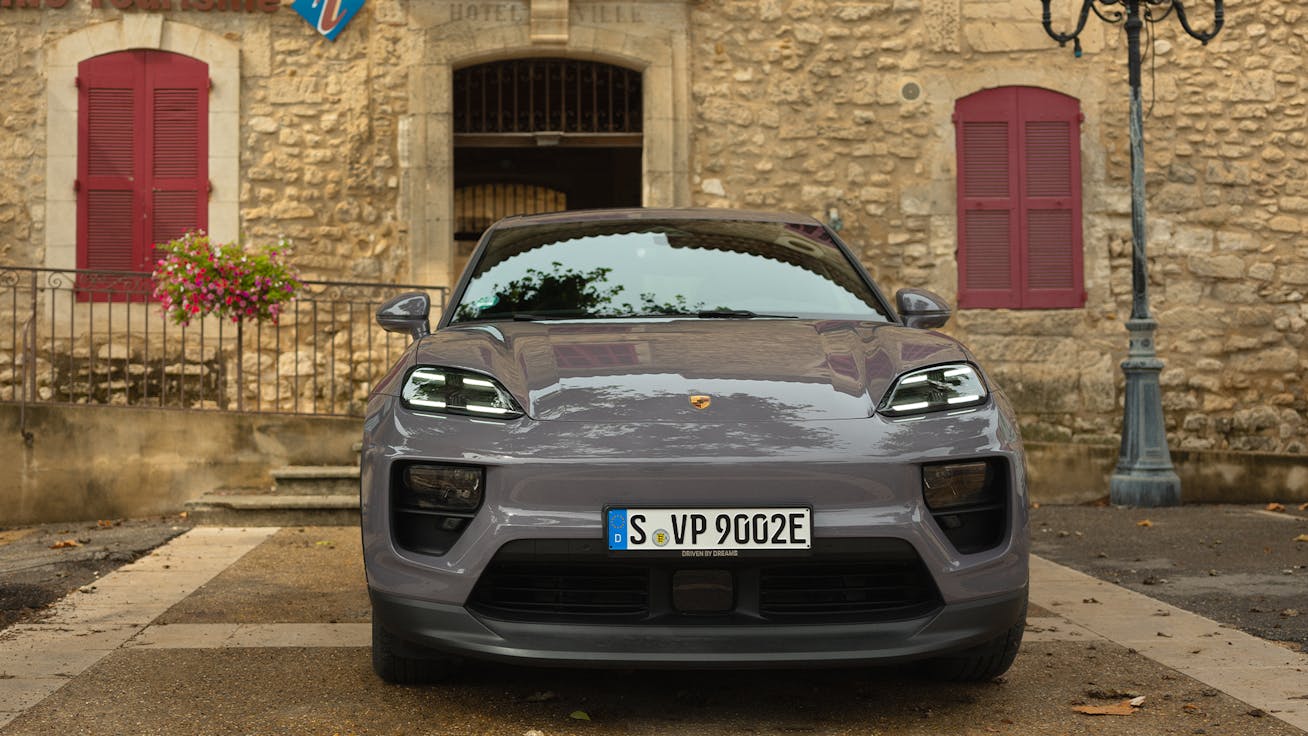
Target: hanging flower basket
{"type": "Point", "coordinates": [195, 278]}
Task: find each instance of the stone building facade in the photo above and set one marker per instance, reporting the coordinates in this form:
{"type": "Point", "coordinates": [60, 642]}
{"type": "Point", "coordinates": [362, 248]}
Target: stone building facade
{"type": "Point", "coordinates": [843, 110]}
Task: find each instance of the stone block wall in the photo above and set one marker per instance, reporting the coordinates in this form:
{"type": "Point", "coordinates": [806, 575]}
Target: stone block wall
{"type": "Point", "coordinates": [318, 145]}
{"type": "Point", "coordinates": [320, 142]}
{"type": "Point", "coordinates": [835, 108]}
{"type": "Point", "coordinates": [22, 140]}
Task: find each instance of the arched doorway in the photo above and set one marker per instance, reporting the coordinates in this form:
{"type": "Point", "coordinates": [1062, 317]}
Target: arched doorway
{"type": "Point", "coordinates": [540, 135]}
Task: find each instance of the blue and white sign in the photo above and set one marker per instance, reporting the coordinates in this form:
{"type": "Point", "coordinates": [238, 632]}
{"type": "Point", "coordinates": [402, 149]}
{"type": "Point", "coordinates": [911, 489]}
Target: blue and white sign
{"type": "Point", "coordinates": [328, 17]}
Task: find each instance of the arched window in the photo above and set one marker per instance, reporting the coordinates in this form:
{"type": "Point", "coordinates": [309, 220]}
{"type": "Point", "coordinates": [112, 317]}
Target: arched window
{"type": "Point", "coordinates": [142, 155]}
{"type": "Point", "coordinates": [570, 97]}
{"type": "Point", "coordinates": [1019, 199]}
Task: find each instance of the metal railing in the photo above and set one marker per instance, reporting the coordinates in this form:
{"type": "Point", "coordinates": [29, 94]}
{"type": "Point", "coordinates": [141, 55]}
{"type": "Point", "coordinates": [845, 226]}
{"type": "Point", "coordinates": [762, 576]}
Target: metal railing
{"type": "Point", "coordinates": [96, 337]}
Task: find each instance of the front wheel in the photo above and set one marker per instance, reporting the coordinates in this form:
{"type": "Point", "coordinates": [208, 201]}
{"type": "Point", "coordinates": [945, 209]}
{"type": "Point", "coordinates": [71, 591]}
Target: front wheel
{"type": "Point", "coordinates": [401, 663]}
{"type": "Point", "coordinates": [985, 661]}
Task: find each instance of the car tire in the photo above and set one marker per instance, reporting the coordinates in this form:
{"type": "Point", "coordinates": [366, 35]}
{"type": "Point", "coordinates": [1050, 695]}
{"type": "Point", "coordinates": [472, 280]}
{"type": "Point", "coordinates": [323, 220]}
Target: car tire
{"type": "Point", "coordinates": [401, 663]}
{"type": "Point", "coordinates": [984, 662]}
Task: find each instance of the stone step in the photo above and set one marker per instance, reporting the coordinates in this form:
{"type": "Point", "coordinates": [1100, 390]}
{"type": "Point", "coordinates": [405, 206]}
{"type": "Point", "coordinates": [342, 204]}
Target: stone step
{"type": "Point", "coordinates": [316, 480]}
{"type": "Point", "coordinates": [274, 509]}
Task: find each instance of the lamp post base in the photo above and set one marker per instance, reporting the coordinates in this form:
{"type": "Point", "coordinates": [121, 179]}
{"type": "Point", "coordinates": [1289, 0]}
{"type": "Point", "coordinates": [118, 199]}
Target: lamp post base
{"type": "Point", "coordinates": [1145, 488]}
{"type": "Point", "coordinates": [1144, 474]}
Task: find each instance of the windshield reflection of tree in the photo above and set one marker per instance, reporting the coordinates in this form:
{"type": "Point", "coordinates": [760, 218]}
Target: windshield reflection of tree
{"type": "Point", "coordinates": [568, 292]}
{"type": "Point", "coordinates": [755, 426]}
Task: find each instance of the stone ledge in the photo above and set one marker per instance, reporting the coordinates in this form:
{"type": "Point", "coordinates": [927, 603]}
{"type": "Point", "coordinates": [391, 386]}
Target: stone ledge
{"type": "Point", "coordinates": [316, 472]}
{"type": "Point", "coordinates": [269, 501]}
{"type": "Point", "coordinates": [275, 510]}
{"type": "Point", "coordinates": [1071, 473]}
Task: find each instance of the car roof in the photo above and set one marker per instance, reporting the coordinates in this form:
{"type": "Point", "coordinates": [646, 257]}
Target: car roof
{"type": "Point", "coordinates": [653, 213]}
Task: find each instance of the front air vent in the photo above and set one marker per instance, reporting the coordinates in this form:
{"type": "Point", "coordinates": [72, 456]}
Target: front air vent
{"type": "Point", "coordinates": [515, 589]}
{"type": "Point", "coordinates": [839, 581]}
{"type": "Point", "coordinates": [884, 589]}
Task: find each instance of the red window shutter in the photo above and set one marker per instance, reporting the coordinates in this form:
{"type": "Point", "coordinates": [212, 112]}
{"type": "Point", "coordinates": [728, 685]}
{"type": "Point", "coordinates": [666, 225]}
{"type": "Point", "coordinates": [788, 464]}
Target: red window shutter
{"type": "Point", "coordinates": [178, 89]}
{"type": "Point", "coordinates": [107, 164]}
{"type": "Point", "coordinates": [109, 230]}
{"type": "Point", "coordinates": [1019, 199]}
{"type": "Point", "coordinates": [987, 200]}
{"type": "Point", "coordinates": [142, 157]}
{"type": "Point", "coordinates": [1051, 199]}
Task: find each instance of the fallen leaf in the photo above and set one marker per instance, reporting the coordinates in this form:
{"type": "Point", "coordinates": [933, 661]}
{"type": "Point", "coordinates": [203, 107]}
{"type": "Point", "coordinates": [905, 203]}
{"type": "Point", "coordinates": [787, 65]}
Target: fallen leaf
{"type": "Point", "coordinates": [324, 543]}
{"type": "Point", "coordinates": [1137, 702]}
{"type": "Point", "coordinates": [579, 715]}
{"type": "Point", "coordinates": [1274, 506]}
{"type": "Point", "coordinates": [1303, 506]}
{"type": "Point", "coordinates": [1117, 709]}
{"type": "Point", "coordinates": [1109, 693]}
{"type": "Point", "coordinates": [1301, 538]}
{"type": "Point", "coordinates": [1144, 523]}
{"type": "Point", "coordinates": [103, 523]}
{"type": "Point", "coordinates": [65, 544]}
{"type": "Point", "coordinates": [184, 514]}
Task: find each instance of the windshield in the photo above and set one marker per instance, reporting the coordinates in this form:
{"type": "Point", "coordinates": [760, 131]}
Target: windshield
{"type": "Point", "coordinates": [706, 268]}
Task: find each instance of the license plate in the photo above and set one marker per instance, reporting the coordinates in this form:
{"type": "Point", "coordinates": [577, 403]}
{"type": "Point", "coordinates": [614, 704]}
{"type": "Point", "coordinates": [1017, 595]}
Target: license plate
{"type": "Point", "coordinates": [652, 530]}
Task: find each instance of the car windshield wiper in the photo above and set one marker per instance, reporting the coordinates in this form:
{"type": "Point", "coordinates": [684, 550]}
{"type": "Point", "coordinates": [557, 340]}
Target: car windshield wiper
{"type": "Point", "coordinates": [552, 314]}
{"type": "Point", "coordinates": [701, 314]}
{"type": "Point", "coordinates": [739, 314]}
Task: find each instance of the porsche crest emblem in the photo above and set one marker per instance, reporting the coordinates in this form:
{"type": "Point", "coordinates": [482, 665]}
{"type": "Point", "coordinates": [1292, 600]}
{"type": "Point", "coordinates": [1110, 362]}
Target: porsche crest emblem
{"type": "Point", "coordinates": [700, 402]}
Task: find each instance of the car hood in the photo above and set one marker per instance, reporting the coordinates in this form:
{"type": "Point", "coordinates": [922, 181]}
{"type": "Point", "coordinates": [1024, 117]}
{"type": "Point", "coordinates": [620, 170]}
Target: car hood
{"type": "Point", "coordinates": [647, 371]}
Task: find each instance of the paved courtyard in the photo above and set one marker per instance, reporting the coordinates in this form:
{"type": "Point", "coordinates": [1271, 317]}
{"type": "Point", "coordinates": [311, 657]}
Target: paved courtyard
{"type": "Point", "coordinates": [264, 631]}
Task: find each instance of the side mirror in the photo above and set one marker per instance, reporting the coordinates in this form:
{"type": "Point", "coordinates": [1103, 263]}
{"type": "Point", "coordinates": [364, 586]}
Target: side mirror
{"type": "Point", "coordinates": [921, 309]}
{"type": "Point", "coordinates": [406, 313]}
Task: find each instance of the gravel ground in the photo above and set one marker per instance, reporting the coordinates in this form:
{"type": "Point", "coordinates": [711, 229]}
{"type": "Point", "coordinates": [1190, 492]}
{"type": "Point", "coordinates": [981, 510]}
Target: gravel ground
{"type": "Point", "coordinates": [1239, 565]}
{"type": "Point", "coordinates": [39, 565]}
{"type": "Point", "coordinates": [333, 691]}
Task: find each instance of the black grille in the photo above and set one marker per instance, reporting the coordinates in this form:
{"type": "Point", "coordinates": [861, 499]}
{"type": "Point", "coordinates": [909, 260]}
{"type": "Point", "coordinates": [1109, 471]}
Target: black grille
{"type": "Point", "coordinates": [841, 580]}
{"type": "Point", "coordinates": [517, 588]}
{"type": "Point", "coordinates": [898, 587]}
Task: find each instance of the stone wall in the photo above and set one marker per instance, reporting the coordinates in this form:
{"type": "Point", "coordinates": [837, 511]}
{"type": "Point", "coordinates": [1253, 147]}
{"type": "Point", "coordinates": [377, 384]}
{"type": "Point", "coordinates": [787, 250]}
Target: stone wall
{"type": "Point", "coordinates": [73, 468]}
{"type": "Point", "coordinates": [318, 145]}
{"type": "Point", "coordinates": [823, 107]}
{"type": "Point", "coordinates": [22, 140]}
{"type": "Point", "coordinates": [320, 141]}
{"type": "Point", "coordinates": [815, 106]}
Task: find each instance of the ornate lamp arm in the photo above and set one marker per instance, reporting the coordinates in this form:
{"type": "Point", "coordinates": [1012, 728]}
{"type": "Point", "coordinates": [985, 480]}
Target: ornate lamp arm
{"type": "Point", "coordinates": [1062, 38]}
{"type": "Point", "coordinates": [1202, 36]}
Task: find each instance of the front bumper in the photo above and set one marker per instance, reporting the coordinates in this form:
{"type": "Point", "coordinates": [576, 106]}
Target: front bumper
{"type": "Point", "coordinates": [549, 481]}
{"type": "Point", "coordinates": [455, 630]}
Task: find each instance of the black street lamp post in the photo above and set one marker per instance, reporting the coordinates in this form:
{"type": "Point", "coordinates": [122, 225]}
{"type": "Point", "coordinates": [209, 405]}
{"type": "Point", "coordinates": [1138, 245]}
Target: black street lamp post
{"type": "Point", "coordinates": [1144, 474]}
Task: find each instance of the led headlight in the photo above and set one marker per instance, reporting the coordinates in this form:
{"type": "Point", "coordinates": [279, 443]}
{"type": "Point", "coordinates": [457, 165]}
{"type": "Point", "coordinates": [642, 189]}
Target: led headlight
{"type": "Point", "coordinates": [952, 386]}
{"type": "Point", "coordinates": [454, 391]}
